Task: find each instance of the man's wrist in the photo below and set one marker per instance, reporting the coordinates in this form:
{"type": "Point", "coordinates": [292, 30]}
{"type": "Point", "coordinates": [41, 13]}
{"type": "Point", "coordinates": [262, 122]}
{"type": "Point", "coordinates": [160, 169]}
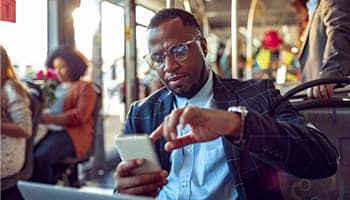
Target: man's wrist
{"type": "Point", "coordinates": [242, 112]}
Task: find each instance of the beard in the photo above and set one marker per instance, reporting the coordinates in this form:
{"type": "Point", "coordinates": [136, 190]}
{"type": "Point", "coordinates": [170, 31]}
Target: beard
{"type": "Point", "coordinates": [191, 88]}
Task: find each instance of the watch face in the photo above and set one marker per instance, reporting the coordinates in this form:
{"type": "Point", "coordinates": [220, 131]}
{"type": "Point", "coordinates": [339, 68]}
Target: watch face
{"type": "Point", "coordinates": [239, 109]}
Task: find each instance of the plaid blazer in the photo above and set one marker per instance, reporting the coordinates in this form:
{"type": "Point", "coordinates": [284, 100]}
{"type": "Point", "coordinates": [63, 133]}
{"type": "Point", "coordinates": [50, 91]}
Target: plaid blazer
{"type": "Point", "coordinates": [276, 137]}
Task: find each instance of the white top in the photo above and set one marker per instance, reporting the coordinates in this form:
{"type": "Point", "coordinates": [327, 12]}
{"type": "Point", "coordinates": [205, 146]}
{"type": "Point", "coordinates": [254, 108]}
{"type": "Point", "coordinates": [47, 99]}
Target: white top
{"type": "Point", "coordinates": [15, 108]}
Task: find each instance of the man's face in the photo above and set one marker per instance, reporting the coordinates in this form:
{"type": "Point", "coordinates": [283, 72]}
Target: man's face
{"type": "Point", "coordinates": [186, 77]}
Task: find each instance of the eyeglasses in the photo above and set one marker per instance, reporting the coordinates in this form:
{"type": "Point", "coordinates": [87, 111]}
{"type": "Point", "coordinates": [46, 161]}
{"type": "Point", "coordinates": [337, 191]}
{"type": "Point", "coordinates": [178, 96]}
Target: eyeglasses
{"type": "Point", "coordinates": [178, 51]}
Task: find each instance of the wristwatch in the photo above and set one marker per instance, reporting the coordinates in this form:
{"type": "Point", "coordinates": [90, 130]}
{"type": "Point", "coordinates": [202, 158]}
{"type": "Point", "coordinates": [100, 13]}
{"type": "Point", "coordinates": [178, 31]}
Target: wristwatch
{"type": "Point", "coordinates": [243, 112]}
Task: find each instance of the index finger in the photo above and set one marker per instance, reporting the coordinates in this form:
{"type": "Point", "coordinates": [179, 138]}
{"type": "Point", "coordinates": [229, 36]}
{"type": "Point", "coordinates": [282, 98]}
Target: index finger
{"type": "Point", "coordinates": [158, 133]}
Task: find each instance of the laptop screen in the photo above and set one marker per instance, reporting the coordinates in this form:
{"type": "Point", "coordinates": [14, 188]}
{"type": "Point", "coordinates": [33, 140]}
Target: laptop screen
{"type": "Point", "coordinates": [39, 191]}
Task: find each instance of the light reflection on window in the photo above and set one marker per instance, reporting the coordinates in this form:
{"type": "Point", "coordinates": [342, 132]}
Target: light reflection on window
{"type": "Point", "coordinates": [26, 40]}
{"type": "Point", "coordinates": [143, 16]}
{"type": "Point", "coordinates": [86, 20]}
{"type": "Point", "coordinates": [112, 34]}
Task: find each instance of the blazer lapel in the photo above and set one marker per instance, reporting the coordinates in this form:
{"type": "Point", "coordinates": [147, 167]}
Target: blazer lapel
{"type": "Point", "coordinates": [163, 108]}
{"type": "Point", "coordinates": [223, 94]}
{"type": "Point", "coordinates": [165, 105]}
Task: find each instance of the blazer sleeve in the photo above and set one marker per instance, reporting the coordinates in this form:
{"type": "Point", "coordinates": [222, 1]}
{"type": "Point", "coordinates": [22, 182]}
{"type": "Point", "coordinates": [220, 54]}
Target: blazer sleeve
{"type": "Point", "coordinates": [336, 57]}
{"type": "Point", "coordinates": [282, 138]}
{"type": "Point", "coordinates": [129, 125]}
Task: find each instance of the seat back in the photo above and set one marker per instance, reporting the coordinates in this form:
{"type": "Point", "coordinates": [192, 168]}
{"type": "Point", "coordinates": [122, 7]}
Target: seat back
{"type": "Point", "coordinates": [27, 169]}
{"type": "Point", "coordinates": [332, 117]}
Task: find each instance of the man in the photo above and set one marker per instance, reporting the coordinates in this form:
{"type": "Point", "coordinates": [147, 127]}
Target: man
{"type": "Point", "coordinates": [205, 151]}
{"type": "Point", "coordinates": [326, 50]}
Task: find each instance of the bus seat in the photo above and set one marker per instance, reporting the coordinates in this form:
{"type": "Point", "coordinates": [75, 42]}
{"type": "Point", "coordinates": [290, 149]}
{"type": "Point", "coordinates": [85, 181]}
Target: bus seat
{"type": "Point", "coordinates": [331, 116]}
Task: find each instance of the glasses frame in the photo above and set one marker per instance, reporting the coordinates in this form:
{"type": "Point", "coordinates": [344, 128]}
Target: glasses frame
{"type": "Point", "coordinates": [166, 53]}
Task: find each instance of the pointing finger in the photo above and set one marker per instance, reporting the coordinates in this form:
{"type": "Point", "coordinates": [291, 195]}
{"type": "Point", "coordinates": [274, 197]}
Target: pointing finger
{"type": "Point", "coordinates": [156, 134]}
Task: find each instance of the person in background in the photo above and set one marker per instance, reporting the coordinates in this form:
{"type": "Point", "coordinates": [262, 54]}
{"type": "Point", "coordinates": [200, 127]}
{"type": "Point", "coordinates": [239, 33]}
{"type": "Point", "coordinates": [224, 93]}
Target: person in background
{"type": "Point", "coordinates": [241, 65]}
{"type": "Point", "coordinates": [301, 12]}
{"type": "Point", "coordinates": [274, 54]}
{"type": "Point", "coordinates": [16, 123]}
{"type": "Point", "coordinates": [225, 61]}
{"type": "Point", "coordinates": [215, 138]}
{"type": "Point", "coordinates": [326, 50]}
{"type": "Point", "coordinates": [69, 118]}
{"type": "Point", "coordinates": [151, 82]}
{"type": "Point", "coordinates": [29, 72]}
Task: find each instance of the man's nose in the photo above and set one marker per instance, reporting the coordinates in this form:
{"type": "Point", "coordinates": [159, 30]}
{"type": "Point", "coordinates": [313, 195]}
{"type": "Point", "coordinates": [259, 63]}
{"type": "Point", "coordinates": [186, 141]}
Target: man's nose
{"type": "Point", "coordinates": [170, 64]}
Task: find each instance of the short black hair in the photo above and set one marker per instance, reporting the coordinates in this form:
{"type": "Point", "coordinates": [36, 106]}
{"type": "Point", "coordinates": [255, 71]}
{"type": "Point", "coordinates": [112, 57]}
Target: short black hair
{"type": "Point", "coordinates": [167, 14]}
{"type": "Point", "coordinates": [76, 62]}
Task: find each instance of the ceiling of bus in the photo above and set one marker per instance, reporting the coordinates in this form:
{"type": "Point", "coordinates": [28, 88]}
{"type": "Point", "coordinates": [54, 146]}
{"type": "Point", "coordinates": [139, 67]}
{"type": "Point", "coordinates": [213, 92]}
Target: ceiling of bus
{"type": "Point", "coordinates": [268, 12]}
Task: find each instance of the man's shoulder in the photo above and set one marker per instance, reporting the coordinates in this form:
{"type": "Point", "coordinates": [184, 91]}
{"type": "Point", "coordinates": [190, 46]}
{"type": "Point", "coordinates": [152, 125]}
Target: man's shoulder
{"type": "Point", "coordinates": [154, 99]}
{"type": "Point", "coordinates": [249, 92]}
{"type": "Point", "coordinates": [241, 85]}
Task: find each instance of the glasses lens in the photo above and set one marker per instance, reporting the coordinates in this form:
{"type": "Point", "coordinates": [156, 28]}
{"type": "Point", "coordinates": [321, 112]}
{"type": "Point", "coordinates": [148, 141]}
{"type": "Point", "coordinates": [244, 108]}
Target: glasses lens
{"type": "Point", "coordinates": [157, 59]}
{"type": "Point", "coordinates": [179, 52]}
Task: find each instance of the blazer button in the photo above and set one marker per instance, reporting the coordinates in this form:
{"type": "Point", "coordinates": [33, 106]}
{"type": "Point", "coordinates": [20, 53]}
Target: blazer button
{"type": "Point", "coordinates": [277, 154]}
{"type": "Point", "coordinates": [264, 149]}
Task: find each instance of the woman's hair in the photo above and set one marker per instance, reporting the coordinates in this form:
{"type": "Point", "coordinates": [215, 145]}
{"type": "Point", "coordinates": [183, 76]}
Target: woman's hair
{"type": "Point", "coordinates": [8, 73]}
{"type": "Point", "coordinates": [75, 60]}
{"type": "Point", "coordinates": [6, 65]}
{"type": "Point", "coordinates": [165, 15]}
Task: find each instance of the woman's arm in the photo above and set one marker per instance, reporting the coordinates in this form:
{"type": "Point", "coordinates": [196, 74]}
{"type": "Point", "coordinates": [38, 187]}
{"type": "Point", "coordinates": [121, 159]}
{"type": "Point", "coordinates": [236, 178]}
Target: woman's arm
{"type": "Point", "coordinates": [77, 115]}
{"type": "Point", "coordinates": [13, 130]}
{"type": "Point", "coordinates": [18, 109]}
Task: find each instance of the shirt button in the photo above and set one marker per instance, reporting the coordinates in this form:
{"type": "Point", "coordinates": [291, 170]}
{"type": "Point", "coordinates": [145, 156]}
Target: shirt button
{"type": "Point", "coordinates": [184, 184]}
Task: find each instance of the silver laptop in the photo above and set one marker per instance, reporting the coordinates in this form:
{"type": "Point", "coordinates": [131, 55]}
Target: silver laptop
{"type": "Point", "coordinates": [39, 191]}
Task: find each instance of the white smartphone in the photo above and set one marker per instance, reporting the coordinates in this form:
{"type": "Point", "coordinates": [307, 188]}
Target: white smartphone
{"type": "Point", "coordinates": [138, 146]}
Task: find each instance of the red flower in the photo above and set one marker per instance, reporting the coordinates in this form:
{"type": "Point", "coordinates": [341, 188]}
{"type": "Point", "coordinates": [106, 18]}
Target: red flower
{"type": "Point", "coordinates": [48, 83]}
{"type": "Point", "coordinates": [51, 75]}
{"type": "Point", "coordinates": [39, 75]}
{"type": "Point", "coordinates": [46, 74]}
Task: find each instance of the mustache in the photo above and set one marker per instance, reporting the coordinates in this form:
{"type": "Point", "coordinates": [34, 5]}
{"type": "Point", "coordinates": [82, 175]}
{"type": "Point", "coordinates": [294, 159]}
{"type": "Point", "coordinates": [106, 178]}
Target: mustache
{"type": "Point", "coordinates": [174, 77]}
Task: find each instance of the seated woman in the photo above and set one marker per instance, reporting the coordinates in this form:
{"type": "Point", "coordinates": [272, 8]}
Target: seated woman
{"type": "Point", "coordinates": [16, 123]}
{"type": "Point", "coordinates": [71, 113]}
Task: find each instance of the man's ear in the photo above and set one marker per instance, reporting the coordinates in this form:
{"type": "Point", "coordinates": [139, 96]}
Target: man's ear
{"type": "Point", "coordinates": [204, 46]}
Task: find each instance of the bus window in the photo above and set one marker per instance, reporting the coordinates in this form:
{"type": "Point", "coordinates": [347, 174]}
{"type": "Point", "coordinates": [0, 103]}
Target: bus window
{"type": "Point", "coordinates": [26, 39]}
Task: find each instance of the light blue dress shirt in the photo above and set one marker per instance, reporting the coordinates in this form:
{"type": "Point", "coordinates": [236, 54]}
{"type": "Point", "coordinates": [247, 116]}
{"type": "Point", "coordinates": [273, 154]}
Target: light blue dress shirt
{"type": "Point", "coordinates": [199, 171]}
{"type": "Point", "coordinates": [57, 107]}
{"type": "Point", "coordinates": [60, 92]}
{"type": "Point", "coordinates": [311, 7]}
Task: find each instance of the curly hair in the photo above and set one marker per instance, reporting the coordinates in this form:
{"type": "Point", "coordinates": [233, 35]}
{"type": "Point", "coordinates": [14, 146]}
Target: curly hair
{"type": "Point", "coordinates": [75, 60]}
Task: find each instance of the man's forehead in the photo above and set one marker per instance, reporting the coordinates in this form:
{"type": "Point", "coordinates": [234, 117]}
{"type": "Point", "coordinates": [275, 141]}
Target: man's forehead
{"type": "Point", "coordinates": [166, 27]}
{"type": "Point", "coordinates": [170, 30]}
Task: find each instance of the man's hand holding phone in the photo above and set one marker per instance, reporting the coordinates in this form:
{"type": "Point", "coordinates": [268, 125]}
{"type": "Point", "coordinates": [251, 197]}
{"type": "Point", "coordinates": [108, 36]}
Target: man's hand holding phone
{"type": "Point", "coordinates": [139, 173]}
